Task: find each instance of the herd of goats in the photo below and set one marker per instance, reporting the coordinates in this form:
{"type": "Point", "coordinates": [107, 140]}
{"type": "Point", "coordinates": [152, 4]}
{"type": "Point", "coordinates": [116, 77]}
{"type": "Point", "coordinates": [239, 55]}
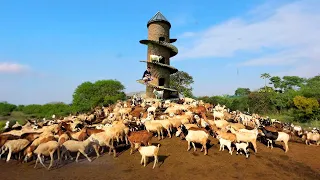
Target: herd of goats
{"type": "Point", "coordinates": [134, 122]}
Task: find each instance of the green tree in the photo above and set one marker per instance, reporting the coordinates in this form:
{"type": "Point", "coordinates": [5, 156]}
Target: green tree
{"type": "Point", "coordinates": [239, 103]}
{"type": "Point", "coordinates": [242, 92]}
{"type": "Point", "coordinates": [307, 109]}
{"type": "Point", "coordinates": [6, 108]}
{"type": "Point", "coordinates": [312, 87]}
{"type": "Point", "coordinates": [265, 76]}
{"type": "Point", "coordinates": [277, 83]}
{"type": "Point", "coordinates": [259, 102]}
{"type": "Point", "coordinates": [292, 82]}
{"type": "Point", "coordinates": [182, 82]}
{"type": "Point", "coordinates": [308, 105]}
{"type": "Point", "coordinates": [103, 92]}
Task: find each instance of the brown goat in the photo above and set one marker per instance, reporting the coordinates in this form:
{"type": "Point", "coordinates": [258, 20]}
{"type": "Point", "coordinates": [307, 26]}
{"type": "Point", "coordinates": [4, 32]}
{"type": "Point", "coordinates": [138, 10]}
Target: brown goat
{"type": "Point", "coordinates": [30, 136]}
{"type": "Point", "coordinates": [5, 137]}
{"type": "Point", "coordinates": [80, 136]}
{"type": "Point", "coordinates": [29, 150]}
{"type": "Point", "coordinates": [91, 131]}
{"type": "Point", "coordinates": [198, 110]}
{"type": "Point", "coordinates": [142, 137]}
{"type": "Point", "coordinates": [271, 128]}
{"type": "Point", "coordinates": [136, 112]}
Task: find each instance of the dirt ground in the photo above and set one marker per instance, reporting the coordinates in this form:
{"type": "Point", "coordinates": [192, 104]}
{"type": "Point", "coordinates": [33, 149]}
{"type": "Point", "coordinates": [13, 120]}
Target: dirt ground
{"type": "Point", "coordinates": [301, 162]}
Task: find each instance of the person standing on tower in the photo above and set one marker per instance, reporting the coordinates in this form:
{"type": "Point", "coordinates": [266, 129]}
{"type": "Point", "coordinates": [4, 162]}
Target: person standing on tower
{"type": "Point", "coordinates": [147, 76]}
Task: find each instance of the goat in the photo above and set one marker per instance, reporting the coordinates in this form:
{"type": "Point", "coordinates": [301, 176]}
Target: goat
{"type": "Point", "coordinates": [242, 146]}
{"type": "Point", "coordinates": [246, 137]}
{"type": "Point", "coordinates": [224, 142]}
{"type": "Point", "coordinates": [14, 146]}
{"type": "Point", "coordinates": [311, 136]}
{"type": "Point", "coordinates": [47, 149]}
{"type": "Point", "coordinates": [155, 58]}
{"type": "Point", "coordinates": [276, 136]}
{"type": "Point", "coordinates": [158, 94]}
{"type": "Point", "coordinates": [148, 151]}
{"type": "Point", "coordinates": [75, 146]}
{"type": "Point", "coordinates": [103, 139]}
{"type": "Point", "coordinates": [196, 135]}
{"type": "Point", "coordinates": [142, 137]}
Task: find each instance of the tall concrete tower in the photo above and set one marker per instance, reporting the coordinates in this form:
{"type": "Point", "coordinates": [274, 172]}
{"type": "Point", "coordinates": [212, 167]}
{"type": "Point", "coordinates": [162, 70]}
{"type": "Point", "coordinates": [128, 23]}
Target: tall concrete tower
{"type": "Point", "coordinates": [159, 43]}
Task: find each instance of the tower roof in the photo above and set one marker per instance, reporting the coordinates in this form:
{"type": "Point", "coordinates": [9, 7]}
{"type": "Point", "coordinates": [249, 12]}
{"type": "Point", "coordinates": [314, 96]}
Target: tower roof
{"type": "Point", "coordinates": [158, 17]}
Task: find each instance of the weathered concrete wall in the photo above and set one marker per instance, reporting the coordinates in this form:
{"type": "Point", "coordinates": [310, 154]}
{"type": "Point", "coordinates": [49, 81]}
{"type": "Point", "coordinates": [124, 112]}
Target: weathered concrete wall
{"type": "Point", "coordinates": [158, 29]}
{"type": "Point", "coordinates": [154, 49]}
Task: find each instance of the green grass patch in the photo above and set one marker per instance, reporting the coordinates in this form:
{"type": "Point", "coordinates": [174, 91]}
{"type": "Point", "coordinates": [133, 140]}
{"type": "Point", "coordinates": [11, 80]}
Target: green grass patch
{"type": "Point", "coordinates": [281, 117]}
{"type": "Point", "coordinates": [287, 118]}
{"type": "Point", "coordinates": [2, 125]}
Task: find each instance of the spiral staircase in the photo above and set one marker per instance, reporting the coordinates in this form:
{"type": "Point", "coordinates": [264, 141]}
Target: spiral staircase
{"type": "Point", "coordinates": [159, 43]}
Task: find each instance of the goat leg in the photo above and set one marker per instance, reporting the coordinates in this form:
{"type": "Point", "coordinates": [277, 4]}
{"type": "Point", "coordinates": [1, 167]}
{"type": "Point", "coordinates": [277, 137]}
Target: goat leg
{"type": "Point", "coordinates": [41, 161]}
{"type": "Point", "coordinates": [36, 162]}
{"type": "Point", "coordinates": [9, 155]}
{"type": "Point", "coordinates": [82, 152]}
{"type": "Point", "coordinates": [51, 161]}
{"type": "Point", "coordinates": [141, 162]}
{"type": "Point", "coordinates": [155, 161]}
{"type": "Point", "coordinates": [194, 147]}
{"type": "Point", "coordinates": [78, 154]}
{"type": "Point", "coordinates": [189, 147]}
{"type": "Point", "coordinates": [95, 147]}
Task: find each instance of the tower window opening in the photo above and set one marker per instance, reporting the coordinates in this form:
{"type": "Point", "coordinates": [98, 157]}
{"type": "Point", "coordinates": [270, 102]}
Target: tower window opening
{"type": "Point", "coordinates": [162, 39]}
{"type": "Point", "coordinates": [161, 82]}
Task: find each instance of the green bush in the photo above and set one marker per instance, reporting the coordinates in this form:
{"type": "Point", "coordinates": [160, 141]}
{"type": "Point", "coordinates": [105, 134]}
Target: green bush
{"type": "Point", "coordinates": [47, 110]}
{"type": "Point", "coordinates": [2, 125]}
{"type": "Point", "coordinates": [104, 92]}
{"type": "Point", "coordinates": [6, 108]}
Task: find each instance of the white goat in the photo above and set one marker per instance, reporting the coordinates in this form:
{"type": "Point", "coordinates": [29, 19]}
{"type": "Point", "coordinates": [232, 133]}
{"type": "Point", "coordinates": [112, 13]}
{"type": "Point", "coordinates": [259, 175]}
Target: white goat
{"type": "Point", "coordinates": [158, 94]}
{"type": "Point", "coordinates": [148, 151]}
{"type": "Point", "coordinates": [224, 142]}
{"type": "Point", "coordinates": [197, 136]}
{"type": "Point", "coordinates": [217, 114]}
{"type": "Point", "coordinates": [244, 147]}
{"type": "Point", "coordinates": [155, 58]}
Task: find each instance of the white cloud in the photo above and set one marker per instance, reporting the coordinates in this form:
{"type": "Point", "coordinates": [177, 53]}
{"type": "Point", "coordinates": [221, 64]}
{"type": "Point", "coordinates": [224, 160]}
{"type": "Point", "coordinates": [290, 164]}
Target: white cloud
{"type": "Point", "coordinates": [284, 35]}
{"type": "Point", "coordinates": [14, 68]}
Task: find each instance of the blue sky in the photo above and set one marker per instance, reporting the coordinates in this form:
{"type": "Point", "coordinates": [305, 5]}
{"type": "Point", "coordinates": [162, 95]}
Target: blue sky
{"type": "Point", "coordinates": [48, 48]}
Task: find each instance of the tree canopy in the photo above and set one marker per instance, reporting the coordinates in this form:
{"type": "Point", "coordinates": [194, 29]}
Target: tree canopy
{"type": "Point", "coordinates": [242, 92]}
{"type": "Point", "coordinates": [6, 108]}
{"type": "Point", "coordinates": [293, 97]}
{"type": "Point", "coordinates": [103, 92]}
{"type": "Point", "coordinates": [265, 76]}
{"type": "Point", "coordinates": [287, 82]}
{"type": "Point", "coordinates": [182, 82]}
{"type": "Point", "coordinates": [85, 97]}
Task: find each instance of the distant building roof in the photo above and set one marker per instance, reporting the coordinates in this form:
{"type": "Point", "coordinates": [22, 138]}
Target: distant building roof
{"type": "Point", "coordinates": [158, 17]}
